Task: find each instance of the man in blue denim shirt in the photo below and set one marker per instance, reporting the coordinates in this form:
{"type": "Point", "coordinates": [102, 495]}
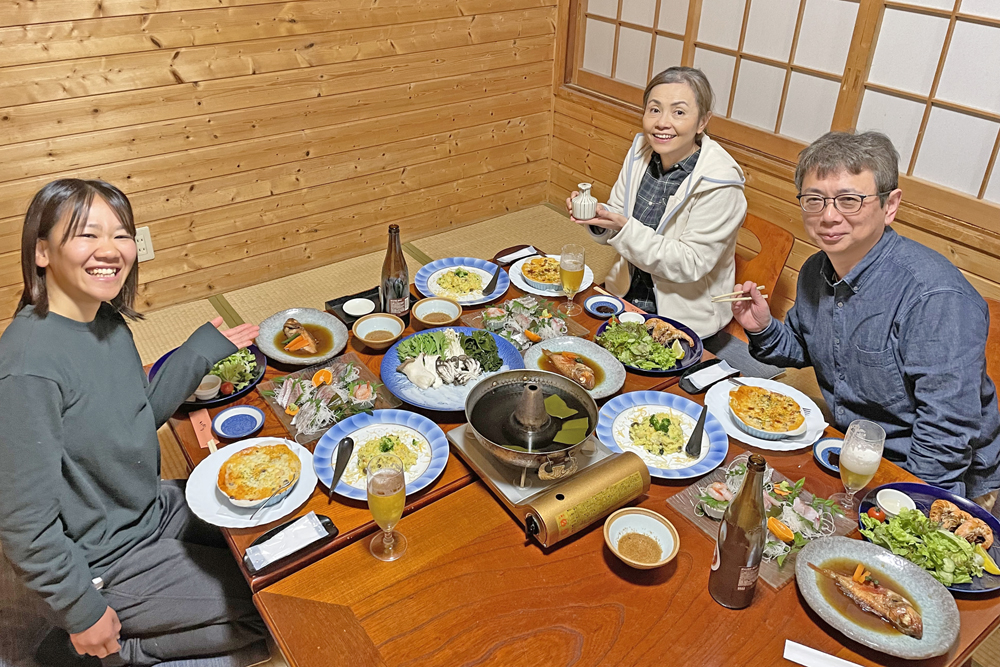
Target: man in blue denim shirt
{"type": "Point", "coordinates": [894, 331]}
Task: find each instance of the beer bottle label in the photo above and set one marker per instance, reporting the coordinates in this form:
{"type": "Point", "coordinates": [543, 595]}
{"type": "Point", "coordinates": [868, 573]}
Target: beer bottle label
{"type": "Point", "coordinates": [748, 577]}
{"type": "Point", "coordinates": [398, 306]}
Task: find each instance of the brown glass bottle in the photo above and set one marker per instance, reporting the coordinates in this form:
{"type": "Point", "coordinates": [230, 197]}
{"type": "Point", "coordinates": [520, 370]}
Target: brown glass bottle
{"type": "Point", "coordinates": [394, 288]}
{"type": "Point", "coordinates": [740, 546]}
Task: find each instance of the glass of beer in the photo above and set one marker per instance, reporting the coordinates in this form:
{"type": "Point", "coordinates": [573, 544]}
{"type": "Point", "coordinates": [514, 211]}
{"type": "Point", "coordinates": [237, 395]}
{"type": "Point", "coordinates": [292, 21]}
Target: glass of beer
{"type": "Point", "coordinates": [571, 266]}
{"type": "Point", "coordinates": [386, 498]}
{"type": "Point", "coordinates": [860, 456]}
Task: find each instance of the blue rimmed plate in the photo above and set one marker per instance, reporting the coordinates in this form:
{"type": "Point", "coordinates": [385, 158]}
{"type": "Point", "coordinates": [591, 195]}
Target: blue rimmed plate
{"type": "Point", "coordinates": [692, 354]}
{"type": "Point", "coordinates": [427, 277]}
{"type": "Point", "coordinates": [446, 397]}
{"type": "Point", "coordinates": [620, 412]}
{"type": "Point", "coordinates": [432, 449]}
{"type": "Point", "coordinates": [239, 421]}
{"type": "Point", "coordinates": [923, 496]}
{"type": "Point", "coordinates": [218, 400]}
{"type": "Point", "coordinates": [612, 305]}
{"type": "Point", "coordinates": [826, 451]}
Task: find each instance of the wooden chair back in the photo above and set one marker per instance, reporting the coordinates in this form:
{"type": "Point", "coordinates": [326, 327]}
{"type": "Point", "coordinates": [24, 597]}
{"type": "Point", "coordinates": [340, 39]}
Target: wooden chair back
{"type": "Point", "coordinates": [764, 269]}
{"type": "Point", "coordinates": [993, 342]}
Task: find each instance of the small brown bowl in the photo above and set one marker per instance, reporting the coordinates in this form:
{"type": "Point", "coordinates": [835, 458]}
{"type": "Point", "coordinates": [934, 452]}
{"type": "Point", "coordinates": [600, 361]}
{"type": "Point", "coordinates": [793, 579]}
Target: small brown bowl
{"type": "Point", "coordinates": [436, 311]}
{"type": "Point", "coordinates": [645, 522]}
{"type": "Point", "coordinates": [378, 330]}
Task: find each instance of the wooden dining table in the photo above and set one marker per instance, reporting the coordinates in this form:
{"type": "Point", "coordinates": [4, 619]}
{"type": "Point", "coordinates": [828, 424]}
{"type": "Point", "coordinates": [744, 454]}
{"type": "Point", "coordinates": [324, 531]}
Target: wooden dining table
{"type": "Point", "coordinates": [472, 590]}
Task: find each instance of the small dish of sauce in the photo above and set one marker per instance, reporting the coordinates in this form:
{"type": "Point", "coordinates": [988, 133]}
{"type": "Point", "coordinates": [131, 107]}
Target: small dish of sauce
{"type": "Point", "coordinates": [379, 335]}
{"type": "Point", "coordinates": [437, 317]}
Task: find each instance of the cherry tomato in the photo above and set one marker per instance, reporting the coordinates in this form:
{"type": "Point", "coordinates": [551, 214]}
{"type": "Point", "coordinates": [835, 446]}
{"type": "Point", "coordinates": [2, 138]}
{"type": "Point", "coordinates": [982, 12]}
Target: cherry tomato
{"type": "Point", "coordinates": [876, 514]}
{"type": "Point", "coordinates": [227, 388]}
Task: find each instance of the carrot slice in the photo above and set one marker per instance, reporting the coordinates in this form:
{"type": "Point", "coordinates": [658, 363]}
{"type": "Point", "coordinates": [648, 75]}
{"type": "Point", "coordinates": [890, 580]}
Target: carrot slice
{"type": "Point", "coordinates": [859, 573]}
{"type": "Point", "coordinates": [292, 410]}
{"type": "Point", "coordinates": [322, 376]}
{"type": "Point", "coordinates": [297, 344]}
{"type": "Point", "coordinates": [532, 336]}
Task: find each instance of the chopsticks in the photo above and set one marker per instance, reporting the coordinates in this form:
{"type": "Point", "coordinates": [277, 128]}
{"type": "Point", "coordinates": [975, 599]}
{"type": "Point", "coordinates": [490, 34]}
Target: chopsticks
{"type": "Point", "coordinates": [737, 296]}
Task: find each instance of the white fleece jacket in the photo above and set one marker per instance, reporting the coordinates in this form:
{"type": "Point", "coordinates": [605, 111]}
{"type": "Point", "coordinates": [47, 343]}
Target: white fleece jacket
{"type": "Point", "coordinates": [691, 253]}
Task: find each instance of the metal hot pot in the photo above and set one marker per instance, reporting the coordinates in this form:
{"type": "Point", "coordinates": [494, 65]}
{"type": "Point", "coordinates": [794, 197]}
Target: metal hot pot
{"type": "Point", "coordinates": [517, 397]}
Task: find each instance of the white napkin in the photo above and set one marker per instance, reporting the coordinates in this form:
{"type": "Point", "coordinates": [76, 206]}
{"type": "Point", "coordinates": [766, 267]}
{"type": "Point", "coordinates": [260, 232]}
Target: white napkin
{"type": "Point", "coordinates": [514, 256]}
{"type": "Point", "coordinates": [810, 657]}
{"type": "Point", "coordinates": [304, 531]}
{"type": "Point", "coordinates": [712, 374]}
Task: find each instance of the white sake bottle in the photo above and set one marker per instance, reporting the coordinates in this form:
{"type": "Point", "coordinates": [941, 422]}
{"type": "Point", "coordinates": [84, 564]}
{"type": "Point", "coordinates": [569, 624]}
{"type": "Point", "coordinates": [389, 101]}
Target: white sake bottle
{"type": "Point", "coordinates": [584, 204]}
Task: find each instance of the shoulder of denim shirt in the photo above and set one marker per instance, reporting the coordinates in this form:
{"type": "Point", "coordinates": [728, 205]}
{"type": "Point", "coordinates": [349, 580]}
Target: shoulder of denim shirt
{"type": "Point", "coordinates": [927, 272]}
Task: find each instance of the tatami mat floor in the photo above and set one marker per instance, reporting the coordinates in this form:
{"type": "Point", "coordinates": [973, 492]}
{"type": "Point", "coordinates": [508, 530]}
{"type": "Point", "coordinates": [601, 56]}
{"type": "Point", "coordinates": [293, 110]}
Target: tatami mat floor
{"type": "Point", "coordinates": [544, 226]}
{"type": "Point", "coordinates": [313, 288]}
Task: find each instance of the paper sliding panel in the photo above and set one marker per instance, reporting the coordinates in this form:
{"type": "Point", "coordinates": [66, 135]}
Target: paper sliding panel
{"type": "Point", "coordinates": [971, 76]}
{"type": "Point", "coordinates": [987, 8]}
{"type": "Point", "coordinates": [955, 150]}
{"type": "Point", "coordinates": [599, 47]}
{"type": "Point", "coordinates": [993, 187]}
{"type": "Point", "coordinates": [825, 35]}
{"type": "Point", "coordinates": [668, 53]}
{"type": "Point", "coordinates": [607, 8]}
{"type": "Point", "coordinates": [758, 94]}
{"type": "Point", "coordinates": [721, 22]}
{"type": "Point", "coordinates": [809, 107]}
{"type": "Point", "coordinates": [633, 56]}
{"type": "Point", "coordinates": [936, 4]}
{"type": "Point", "coordinates": [673, 16]}
{"type": "Point", "coordinates": [895, 117]}
{"type": "Point", "coordinates": [770, 28]}
{"type": "Point", "coordinates": [718, 67]}
{"type": "Point", "coordinates": [639, 12]}
{"type": "Point", "coordinates": [908, 49]}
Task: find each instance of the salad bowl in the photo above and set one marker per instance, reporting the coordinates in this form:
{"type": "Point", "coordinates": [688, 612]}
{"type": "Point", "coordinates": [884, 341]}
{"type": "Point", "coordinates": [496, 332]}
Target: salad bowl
{"type": "Point", "coordinates": [256, 375]}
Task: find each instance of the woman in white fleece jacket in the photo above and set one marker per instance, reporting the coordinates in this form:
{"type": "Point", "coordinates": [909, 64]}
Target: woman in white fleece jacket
{"type": "Point", "coordinates": [676, 209]}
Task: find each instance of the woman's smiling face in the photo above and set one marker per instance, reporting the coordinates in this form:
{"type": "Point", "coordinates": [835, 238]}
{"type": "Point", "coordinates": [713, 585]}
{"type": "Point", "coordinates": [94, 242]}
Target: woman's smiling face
{"type": "Point", "coordinates": [672, 122]}
{"type": "Point", "coordinates": [91, 267]}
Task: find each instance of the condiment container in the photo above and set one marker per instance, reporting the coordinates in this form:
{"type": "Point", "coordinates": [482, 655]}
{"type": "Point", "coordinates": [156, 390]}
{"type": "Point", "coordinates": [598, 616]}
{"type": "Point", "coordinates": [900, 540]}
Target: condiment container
{"type": "Point", "coordinates": [378, 330]}
{"type": "Point", "coordinates": [359, 307]}
{"type": "Point", "coordinates": [208, 388]}
{"type": "Point", "coordinates": [646, 523]}
{"type": "Point", "coordinates": [584, 204]}
{"type": "Point", "coordinates": [892, 502]}
{"type": "Point", "coordinates": [436, 311]}
{"type": "Point", "coordinates": [632, 317]}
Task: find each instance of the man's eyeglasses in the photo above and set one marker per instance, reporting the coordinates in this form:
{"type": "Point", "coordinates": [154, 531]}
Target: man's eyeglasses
{"type": "Point", "coordinates": [843, 203]}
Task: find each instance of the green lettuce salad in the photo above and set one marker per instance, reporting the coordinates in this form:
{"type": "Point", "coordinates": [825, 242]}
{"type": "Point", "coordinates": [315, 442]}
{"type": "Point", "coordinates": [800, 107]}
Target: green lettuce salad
{"type": "Point", "coordinates": [631, 344]}
{"type": "Point", "coordinates": [949, 558]}
{"type": "Point", "coordinates": [236, 368]}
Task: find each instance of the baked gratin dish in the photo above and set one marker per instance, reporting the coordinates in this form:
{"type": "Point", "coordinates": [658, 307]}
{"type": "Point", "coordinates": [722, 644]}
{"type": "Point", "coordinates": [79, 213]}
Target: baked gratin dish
{"type": "Point", "coordinates": [766, 410]}
{"type": "Point", "coordinates": [251, 475]}
{"type": "Point", "coordinates": [543, 270]}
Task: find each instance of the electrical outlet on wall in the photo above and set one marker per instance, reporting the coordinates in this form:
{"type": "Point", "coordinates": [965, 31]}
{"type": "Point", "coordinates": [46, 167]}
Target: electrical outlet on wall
{"type": "Point", "coordinates": [144, 244]}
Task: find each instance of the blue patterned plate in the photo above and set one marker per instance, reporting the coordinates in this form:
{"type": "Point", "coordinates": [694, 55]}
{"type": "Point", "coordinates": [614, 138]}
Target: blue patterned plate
{"type": "Point", "coordinates": [427, 276]}
{"type": "Point", "coordinates": [925, 494]}
{"type": "Point", "coordinates": [219, 399]}
{"type": "Point", "coordinates": [692, 354]}
{"type": "Point", "coordinates": [618, 414]}
{"type": "Point", "coordinates": [432, 452]}
{"type": "Point", "coordinates": [446, 397]}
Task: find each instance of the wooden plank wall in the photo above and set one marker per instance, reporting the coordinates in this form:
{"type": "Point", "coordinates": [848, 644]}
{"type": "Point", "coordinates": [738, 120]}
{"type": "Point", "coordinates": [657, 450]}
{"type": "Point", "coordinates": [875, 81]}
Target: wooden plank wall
{"type": "Point", "coordinates": [591, 136]}
{"type": "Point", "coordinates": [259, 138]}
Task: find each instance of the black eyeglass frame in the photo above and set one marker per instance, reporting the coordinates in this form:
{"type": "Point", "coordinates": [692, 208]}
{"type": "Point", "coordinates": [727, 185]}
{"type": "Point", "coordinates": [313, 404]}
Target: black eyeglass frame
{"type": "Point", "coordinates": [834, 200]}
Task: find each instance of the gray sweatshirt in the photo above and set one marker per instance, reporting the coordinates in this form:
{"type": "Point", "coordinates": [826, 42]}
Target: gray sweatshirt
{"type": "Point", "coordinates": [79, 457]}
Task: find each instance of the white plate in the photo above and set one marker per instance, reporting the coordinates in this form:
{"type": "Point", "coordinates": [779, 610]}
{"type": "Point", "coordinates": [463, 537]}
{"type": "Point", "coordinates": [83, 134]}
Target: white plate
{"type": "Point", "coordinates": [614, 371]}
{"type": "Point", "coordinates": [210, 505]}
{"type": "Point", "coordinates": [270, 327]}
{"type": "Point", "coordinates": [717, 400]}
{"type": "Point", "coordinates": [517, 278]}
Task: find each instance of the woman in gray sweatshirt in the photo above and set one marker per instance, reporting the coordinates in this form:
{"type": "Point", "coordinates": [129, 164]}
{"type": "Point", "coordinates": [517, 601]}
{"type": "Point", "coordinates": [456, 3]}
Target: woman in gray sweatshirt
{"type": "Point", "coordinates": [84, 518]}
